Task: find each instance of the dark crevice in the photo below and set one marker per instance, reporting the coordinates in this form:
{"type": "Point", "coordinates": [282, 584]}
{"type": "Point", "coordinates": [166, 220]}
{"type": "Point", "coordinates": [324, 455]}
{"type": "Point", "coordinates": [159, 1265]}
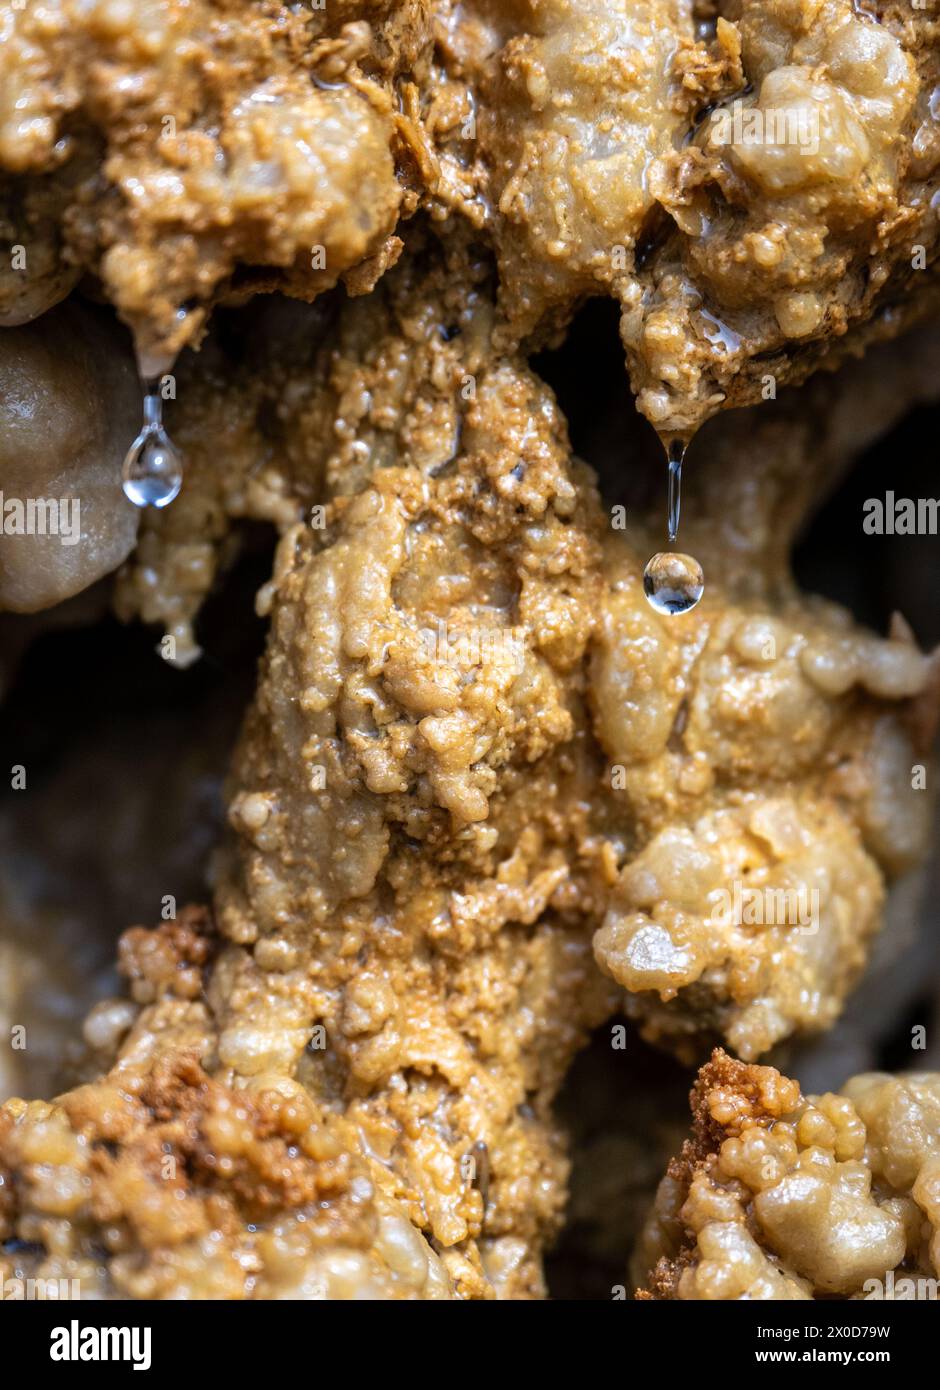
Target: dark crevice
{"type": "Point", "coordinates": [589, 377]}
{"type": "Point", "coordinates": [873, 575]}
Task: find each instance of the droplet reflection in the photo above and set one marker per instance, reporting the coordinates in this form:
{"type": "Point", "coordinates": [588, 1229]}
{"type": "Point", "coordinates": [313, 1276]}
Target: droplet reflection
{"type": "Point", "coordinates": [673, 582]}
{"type": "Point", "coordinates": [153, 467]}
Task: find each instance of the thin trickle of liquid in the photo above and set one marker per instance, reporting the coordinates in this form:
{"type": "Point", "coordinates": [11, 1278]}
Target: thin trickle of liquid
{"type": "Point", "coordinates": [153, 467]}
{"type": "Point", "coordinates": [673, 582]}
{"type": "Point", "coordinates": [675, 455]}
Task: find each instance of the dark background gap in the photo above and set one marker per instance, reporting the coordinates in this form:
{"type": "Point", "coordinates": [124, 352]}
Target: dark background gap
{"type": "Point", "coordinates": [124, 759]}
{"type": "Point", "coordinates": [875, 575]}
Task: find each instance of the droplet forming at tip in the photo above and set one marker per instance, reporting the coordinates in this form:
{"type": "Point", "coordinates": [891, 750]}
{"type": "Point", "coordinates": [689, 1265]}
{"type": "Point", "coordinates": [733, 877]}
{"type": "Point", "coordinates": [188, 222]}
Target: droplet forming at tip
{"type": "Point", "coordinates": [153, 467]}
{"type": "Point", "coordinates": [673, 583]}
{"type": "Point", "coordinates": [152, 473]}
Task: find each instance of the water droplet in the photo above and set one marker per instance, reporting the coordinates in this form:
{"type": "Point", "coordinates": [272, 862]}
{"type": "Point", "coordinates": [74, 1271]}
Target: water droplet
{"type": "Point", "coordinates": [153, 467]}
{"type": "Point", "coordinates": [673, 582]}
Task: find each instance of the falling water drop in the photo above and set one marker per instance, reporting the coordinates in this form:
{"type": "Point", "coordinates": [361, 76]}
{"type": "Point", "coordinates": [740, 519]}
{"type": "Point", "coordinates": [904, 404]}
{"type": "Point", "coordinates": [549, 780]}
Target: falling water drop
{"type": "Point", "coordinates": [673, 582]}
{"type": "Point", "coordinates": [153, 467]}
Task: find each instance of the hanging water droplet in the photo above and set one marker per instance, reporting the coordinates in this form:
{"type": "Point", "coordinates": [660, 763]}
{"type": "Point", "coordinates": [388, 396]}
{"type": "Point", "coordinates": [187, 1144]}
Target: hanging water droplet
{"type": "Point", "coordinates": [153, 467]}
{"type": "Point", "coordinates": [152, 473]}
{"type": "Point", "coordinates": [673, 582]}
